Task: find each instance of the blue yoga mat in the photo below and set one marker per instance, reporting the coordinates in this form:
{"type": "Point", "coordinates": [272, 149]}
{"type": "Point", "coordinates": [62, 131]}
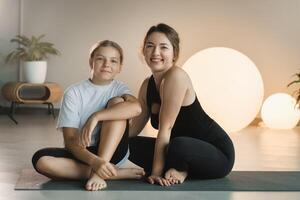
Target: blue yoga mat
{"type": "Point", "coordinates": [235, 181]}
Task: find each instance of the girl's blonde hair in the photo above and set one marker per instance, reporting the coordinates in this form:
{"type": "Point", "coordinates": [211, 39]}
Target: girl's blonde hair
{"type": "Point", "coordinates": [107, 43]}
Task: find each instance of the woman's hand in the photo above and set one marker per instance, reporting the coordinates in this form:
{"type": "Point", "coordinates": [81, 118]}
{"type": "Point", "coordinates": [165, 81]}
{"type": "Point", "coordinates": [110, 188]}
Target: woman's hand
{"type": "Point", "coordinates": [103, 168]}
{"type": "Point", "coordinates": [154, 179]}
{"type": "Point", "coordinates": [87, 130]}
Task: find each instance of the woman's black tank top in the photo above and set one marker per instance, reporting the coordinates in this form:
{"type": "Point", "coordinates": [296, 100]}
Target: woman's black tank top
{"type": "Point", "coordinates": [192, 121]}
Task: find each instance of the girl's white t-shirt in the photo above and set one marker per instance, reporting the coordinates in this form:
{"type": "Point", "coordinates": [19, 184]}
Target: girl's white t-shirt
{"type": "Point", "coordinates": [82, 99]}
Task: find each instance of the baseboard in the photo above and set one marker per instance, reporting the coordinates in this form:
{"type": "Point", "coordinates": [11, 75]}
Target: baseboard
{"type": "Point", "coordinates": [24, 110]}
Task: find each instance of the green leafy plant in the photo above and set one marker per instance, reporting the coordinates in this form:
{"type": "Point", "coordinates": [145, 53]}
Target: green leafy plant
{"type": "Point", "coordinates": [31, 49]}
{"type": "Point", "coordinates": [296, 92]}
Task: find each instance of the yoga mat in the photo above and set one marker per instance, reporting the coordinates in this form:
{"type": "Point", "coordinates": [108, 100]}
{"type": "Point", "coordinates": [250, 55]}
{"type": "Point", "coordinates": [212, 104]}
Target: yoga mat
{"type": "Point", "coordinates": [235, 181]}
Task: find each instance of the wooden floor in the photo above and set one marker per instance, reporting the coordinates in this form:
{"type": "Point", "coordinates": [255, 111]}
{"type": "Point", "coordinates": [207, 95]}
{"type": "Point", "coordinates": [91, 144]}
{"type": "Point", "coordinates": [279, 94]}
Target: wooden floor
{"type": "Point", "coordinates": [256, 148]}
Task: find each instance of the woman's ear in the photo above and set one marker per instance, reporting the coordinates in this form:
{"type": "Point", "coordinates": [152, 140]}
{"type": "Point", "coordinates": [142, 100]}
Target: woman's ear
{"type": "Point", "coordinates": [175, 58]}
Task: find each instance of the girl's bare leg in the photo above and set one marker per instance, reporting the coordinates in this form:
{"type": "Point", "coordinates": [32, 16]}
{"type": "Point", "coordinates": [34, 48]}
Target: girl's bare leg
{"type": "Point", "coordinates": [63, 168]}
{"type": "Point", "coordinates": [111, 135]}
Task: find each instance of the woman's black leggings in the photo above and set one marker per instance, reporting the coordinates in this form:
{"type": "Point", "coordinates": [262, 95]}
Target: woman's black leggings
{"type": "Point", "coordinates": [201, 159]}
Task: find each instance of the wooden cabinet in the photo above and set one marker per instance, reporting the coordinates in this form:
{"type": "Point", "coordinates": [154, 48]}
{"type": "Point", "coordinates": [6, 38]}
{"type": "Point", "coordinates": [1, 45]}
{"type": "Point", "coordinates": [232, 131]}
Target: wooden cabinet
{"type": "Point", "coordinates": [28, 93]}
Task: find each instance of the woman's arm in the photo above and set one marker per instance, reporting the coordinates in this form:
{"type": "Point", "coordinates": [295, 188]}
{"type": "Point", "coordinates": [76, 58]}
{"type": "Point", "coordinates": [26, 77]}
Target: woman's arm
{"type": "Point", "coordinates": [173, 89]}
{"type": "Point", "coordinates": [138, 123]}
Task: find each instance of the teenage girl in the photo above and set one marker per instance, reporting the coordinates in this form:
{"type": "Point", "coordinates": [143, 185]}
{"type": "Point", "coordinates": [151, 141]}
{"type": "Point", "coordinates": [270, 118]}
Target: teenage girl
{"type": "Point", "coordinates": [93, 119]}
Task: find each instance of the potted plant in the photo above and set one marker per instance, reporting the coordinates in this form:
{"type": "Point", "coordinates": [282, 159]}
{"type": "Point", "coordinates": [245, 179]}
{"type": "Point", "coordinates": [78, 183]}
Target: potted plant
{"type": "Point", "coordinates": [296, 92]}
{"type": "Point", "coordinates": [33, 53]}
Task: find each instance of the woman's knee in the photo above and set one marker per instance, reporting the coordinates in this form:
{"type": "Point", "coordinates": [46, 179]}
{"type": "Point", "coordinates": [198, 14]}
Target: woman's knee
{"type": "Point", "coordinates": [179, 143]}
{"type": "Point", "coordinates": [114, 100]}
{"type": "Point", "coordinates": [178, 146]}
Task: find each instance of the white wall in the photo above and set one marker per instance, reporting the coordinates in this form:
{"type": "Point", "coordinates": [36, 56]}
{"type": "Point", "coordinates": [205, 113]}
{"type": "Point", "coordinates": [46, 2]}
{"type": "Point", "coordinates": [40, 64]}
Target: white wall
{"type": "Point", "coordinates": [9, 27]}
{"type": "Point", "coordinates": [266, 31]}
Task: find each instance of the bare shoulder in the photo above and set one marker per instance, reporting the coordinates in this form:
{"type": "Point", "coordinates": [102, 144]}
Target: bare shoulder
{"type": "Point", "coordinates": [177, 74]}
{"type": "Point", "coordinates": [143, 89]}
{"type": "Point", "coordinates": [145, 83]}
{"type": "Point", "coordinates": [177, 80]}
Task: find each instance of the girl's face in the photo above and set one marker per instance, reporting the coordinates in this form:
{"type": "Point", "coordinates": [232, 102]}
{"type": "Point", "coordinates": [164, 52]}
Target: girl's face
{"type": "Point", "coordinates": [105, 65]}
{"type": "Point", "coordinates": [158, 52]}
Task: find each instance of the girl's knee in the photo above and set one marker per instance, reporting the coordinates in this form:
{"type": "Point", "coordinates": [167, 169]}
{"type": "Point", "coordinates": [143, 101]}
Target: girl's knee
{"type": "Point", "coordinates": [114, 100]}
{"type": "Point", "coordinates": [43, 164]}
{"type": "Point", "coordinates": [39, 154]}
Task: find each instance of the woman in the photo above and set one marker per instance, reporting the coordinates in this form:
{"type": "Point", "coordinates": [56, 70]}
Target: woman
{"type": "Point", "coordinates": [189, 142]}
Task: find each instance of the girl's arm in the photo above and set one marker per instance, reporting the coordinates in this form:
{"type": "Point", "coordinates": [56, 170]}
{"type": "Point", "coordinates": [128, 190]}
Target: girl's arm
{"type": "Point", "coordinates": [173, 89]}
{"type": "Point", "coordinates": [127, 109]}
{"type": "Point", "coordinates": [138, 123]}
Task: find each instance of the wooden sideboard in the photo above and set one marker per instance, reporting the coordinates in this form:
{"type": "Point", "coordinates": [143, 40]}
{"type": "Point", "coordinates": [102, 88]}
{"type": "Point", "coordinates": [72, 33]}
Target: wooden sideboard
{"type": "Point", "coordinates": [29, 93]}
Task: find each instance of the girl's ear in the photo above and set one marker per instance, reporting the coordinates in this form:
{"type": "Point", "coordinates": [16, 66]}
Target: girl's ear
{"type": "Point", "coordinates": [91, 63]}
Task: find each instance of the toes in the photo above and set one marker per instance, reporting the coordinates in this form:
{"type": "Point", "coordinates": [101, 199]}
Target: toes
{"type": "Point", "coordinates": [102, 186]}
{"type": "Point", "coordinates": [172, 180]}
{"type": "Point", "coordinates": [94, 186]}
{"type": "Point", "coordinates": [88, 187]}
{"type": "Point", "coordinates": [99, 186]}
{"type": "Point", "coordinates": [168, 175]}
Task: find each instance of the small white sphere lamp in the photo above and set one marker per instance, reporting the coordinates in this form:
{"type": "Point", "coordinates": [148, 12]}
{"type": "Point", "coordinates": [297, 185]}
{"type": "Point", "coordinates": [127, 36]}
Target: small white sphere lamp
{"type": "Point", "coordinates": [228, 85]}
{"type": "Point", "coordinates": [279, 111]}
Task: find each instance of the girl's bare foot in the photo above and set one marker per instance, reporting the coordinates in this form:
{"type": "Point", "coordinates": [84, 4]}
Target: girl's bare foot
{"type": "Point", "coordinates": [95, 183]}
{"type": "Point", "coordinates": [129, 173]}
{"type": "Point", "coordinates": [175, 177]}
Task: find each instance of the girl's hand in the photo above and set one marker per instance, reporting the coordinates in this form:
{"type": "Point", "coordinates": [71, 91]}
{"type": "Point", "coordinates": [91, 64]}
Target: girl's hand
{"type": "Point", "coordinates": [153, 179]}
{"type": "Point", "coordinates": [103, 168]}
{"type": "Point", "coordinates": [87, 130]}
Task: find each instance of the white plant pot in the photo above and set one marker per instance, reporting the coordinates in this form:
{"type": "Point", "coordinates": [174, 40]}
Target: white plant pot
{"type": "Point", "coordinates": [35, 71]}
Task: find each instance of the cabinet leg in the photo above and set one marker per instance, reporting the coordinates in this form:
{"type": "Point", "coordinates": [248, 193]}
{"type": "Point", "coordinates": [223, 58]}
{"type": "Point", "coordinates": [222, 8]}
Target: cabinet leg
{"type": "Point", "coordinates": [52, 109]}
{"type": "Point", "coordinates": [12, 112]}
{"type": "Point", "coordinates": [49, 111]}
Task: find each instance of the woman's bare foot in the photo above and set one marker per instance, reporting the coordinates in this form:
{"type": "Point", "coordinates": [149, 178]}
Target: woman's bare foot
{"type": "Point", "coordinates": [175, 176]}
{"type": "Point", "coordinates": [95, 183]}
{"type": "Point", "coordinates": [129, 173]}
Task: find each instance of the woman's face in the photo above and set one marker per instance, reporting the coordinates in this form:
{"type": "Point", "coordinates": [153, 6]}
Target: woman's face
{"type": "Point", "coordinates": [158, 52]}
{"type": "Point", "coordinates": [105, 64]}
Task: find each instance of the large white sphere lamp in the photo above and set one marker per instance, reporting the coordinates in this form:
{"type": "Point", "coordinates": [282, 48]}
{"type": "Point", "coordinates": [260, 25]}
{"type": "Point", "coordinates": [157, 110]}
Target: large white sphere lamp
{"type": "Point", "coordinates": [228, 85]}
